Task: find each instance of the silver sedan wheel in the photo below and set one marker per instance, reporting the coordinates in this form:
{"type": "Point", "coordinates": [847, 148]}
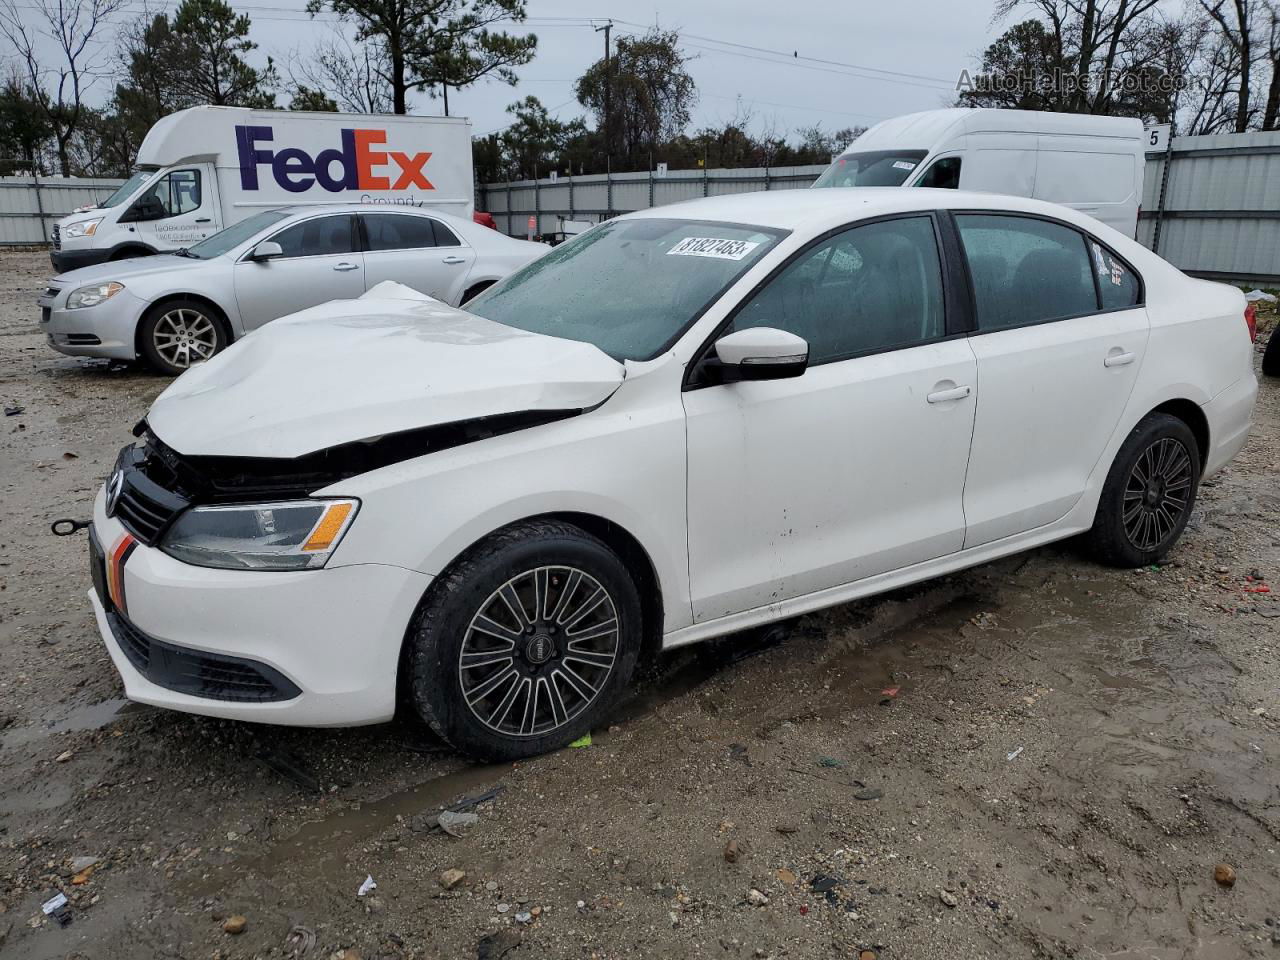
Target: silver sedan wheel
{"type": "Point", "coordinates": [184, 336]}
{"type": "Point", "coordinates": [539, 651]}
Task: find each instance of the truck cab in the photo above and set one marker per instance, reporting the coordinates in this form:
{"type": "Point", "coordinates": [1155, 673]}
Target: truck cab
{"type": "Point", "coordinates": [1092, 164]}
{"type": "Point", "coordinates": [154, 211]}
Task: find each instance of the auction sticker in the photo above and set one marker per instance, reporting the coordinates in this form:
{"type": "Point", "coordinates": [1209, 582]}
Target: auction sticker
{"type": "Point", "coordinates": [712, 247]}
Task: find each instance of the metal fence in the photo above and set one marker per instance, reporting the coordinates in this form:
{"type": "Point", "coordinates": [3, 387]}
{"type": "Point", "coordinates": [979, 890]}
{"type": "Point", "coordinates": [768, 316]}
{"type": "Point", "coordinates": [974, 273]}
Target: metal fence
{"type": "Point", "coordinates": [1212, 206]}
{"type": "Point", "coordinates": [29, 206]}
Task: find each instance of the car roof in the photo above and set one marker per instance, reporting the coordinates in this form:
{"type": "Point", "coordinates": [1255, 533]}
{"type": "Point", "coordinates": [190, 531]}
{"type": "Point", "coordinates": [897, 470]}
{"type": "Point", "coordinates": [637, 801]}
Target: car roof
{"type": "Point", "coordinates": [815, 209]}
{"type": "Point", "coordinates": [300, 209]}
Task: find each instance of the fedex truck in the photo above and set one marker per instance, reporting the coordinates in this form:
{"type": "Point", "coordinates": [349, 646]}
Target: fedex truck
{"type": "Point", "coordinates": [204, 169]}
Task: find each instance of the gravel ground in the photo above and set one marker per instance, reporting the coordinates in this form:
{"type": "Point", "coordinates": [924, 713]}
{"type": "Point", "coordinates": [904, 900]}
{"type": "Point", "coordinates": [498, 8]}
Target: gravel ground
{"type": "Point", "coordinates": [1035, 758]}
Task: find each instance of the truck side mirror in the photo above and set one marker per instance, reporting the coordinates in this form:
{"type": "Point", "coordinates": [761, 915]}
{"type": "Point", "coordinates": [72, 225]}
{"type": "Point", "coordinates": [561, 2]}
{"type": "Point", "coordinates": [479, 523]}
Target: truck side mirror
{"type": "Point", "coordinates": [266, 250]}
{"type": "Point", "coordinates": [146, 207]}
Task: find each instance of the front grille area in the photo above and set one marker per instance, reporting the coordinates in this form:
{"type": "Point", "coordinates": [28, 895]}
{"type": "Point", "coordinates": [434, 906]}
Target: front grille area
{"type": "Point", "coordinates": [145, 507]}
{"type": "Point", "coordinates": [213, 676]}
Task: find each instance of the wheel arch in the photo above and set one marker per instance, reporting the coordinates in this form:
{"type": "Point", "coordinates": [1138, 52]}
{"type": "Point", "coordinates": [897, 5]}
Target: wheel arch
{"type": "Point", "coordinates": [219, 316]}
{"type": "Point", "coordinates": [477, 287]}
{"type": "Point", "coordinates": [619, 539]}
{"type": "Point", "coordinates": [1189, 413]}
{"type": "Point", "coordinates": [131, 248]}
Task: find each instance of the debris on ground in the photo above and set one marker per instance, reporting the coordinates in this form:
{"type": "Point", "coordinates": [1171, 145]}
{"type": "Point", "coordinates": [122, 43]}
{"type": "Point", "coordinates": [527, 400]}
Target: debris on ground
{"type": "Point", "coordinates": [452, 877]}
{"type": "Point", "coordinates": [824, 882]}
{"type": "Point", "coordinates": [235, 925]}
{"type": "Point", "coordinates": [731, 851]}
{"type": "Point", "coordinates": [757, 898]}
{"type": "Point", "coordinates": [369, 885]}
{"type": "Point", "coordinates": [1225, 875]}
{"type": "Point", "coordinates": [57, 908]}
{"type": "Point", "coordinates": [868, 793]}
{"type": "Point", "coordinates": [582, 741]}
{"type": "Point", "coordinates": [299, 940]}
{"type": "Point", "coordinates": [457, 824]}
{"type": "Point", "coordinates": [948, 898]}
{"type": "Point", "coordinates": [1015, 754]}
{"type": "Point", "coordinates": [497, 945]}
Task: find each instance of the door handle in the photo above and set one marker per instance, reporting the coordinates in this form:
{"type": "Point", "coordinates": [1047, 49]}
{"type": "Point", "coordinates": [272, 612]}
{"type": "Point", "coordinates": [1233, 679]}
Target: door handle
{"type": "Point", "coordinates": [1117, 359]}
{"type": "Point", "coordinates": [204, 220]}
{"type": "Point", "coordinates": [347, 266]}
{"type": "Point", "coordinates": [454, 260]}
{"type": "Point", "coordinates": [955, 393]}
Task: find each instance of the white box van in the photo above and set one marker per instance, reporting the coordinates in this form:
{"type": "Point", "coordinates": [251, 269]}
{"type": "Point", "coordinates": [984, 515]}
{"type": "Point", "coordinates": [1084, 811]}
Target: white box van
{"type": "Point", "coordinates": [206, 168]}
{"type": "Point", "coordinates": [1092, 164]}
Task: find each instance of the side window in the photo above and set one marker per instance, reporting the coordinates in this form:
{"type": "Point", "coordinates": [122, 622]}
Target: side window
{"type": "Point", "coordinates": [391, 231]}
{"type": "Point", "coordinates": [444, 236]}
{"type": "Point", "coordinates": [943, 173]}
{"type": "Point", "coordinates": [866, 289]}
{"type": "Point", "coordinates": [1116, 282]}
{"type": "Point", "coordinates": [1025, 271]}
{"type": "Point", "coordinates": [177, 192]}
{"type": "Point", "coordinates": [316, 238]}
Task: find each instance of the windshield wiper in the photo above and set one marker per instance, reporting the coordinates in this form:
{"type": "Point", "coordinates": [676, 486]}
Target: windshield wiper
{"type": "Point", "coordinates": [184, 252]}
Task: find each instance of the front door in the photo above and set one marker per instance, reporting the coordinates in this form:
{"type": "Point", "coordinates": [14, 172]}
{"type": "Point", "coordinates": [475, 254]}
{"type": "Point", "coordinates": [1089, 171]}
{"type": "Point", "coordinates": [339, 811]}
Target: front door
{"type": "Point", "coordinates": [853, 469]}
{"type": "Point", "coordinates": [319, 263]}
{"type": "Point", "coordinates": [1061, 335]}
{"type": "Point", "coordinates": [420, 252]}
{"type": "Point", "coordinates": [182, 208]}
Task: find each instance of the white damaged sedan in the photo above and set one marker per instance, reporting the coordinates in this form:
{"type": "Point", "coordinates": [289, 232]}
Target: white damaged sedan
{"type": "Point", "coordinates": [684, 422]}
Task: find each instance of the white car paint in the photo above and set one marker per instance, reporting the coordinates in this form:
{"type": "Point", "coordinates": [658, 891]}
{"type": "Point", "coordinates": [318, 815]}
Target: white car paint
{"type": "Point", "coordinates": [751, 501]}
{"type": "Point", "coordinates": [415, 362]}
{"type": "Point", "coordinates": [250, 293]}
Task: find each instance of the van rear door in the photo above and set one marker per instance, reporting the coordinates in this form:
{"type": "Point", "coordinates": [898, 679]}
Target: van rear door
{"type": "Point", "coordinates": [1098, 176]}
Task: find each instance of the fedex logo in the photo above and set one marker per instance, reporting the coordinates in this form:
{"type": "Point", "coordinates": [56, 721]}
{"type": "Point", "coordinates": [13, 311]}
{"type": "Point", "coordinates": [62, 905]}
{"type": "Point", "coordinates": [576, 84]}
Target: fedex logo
{"type": "Point", "coordinates": [360, 165]}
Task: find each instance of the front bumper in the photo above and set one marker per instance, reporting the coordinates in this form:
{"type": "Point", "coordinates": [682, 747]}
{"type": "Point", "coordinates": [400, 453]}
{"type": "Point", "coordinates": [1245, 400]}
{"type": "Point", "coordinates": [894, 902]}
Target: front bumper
{"type": "Point", "coordinates": [106, 330]}
{"type": "Point", "coordinates": [64, 260]}
{"type": "Point", "coordinates": [334, 635]}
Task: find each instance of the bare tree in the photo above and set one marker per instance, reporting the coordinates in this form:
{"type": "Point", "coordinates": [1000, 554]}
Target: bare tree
{"type": "Point", "coordinates": [355, 76]}
{"type": "Point", "coordinates": [1271, 111]}
{"type": "Point", "coordinates": [1238, 22]}
{"type": "Point", "coordinates": [73, 27]}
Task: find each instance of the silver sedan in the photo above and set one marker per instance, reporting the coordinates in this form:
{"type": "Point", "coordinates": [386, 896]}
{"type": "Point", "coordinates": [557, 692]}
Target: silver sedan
{"type": "Point", "coordinates": [176, 310]}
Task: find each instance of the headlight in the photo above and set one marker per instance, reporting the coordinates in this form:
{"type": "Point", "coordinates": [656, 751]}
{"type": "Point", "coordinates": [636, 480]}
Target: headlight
{"type": "Point", "coordinates": [296, 535]}
{"type": "Point", "coordinates": [85, 228]}
{"type": "Point", "coordinates": [93, 295]}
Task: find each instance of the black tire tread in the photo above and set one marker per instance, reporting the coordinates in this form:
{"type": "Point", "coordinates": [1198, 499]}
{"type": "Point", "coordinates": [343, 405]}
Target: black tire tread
{"type": "Point", "coordinates": [1271, 356]}
{"type": "Point", "coordinates": [453, 582]}
{"type": "Point", "coordinates": [1106, 539]}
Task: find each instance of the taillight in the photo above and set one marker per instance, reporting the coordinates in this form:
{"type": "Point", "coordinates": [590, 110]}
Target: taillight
{"type": "Point", "coordinates": [1251, 321]}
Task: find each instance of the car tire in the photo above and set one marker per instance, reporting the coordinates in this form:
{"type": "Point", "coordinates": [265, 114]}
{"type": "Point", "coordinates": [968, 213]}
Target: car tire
{"type": "Point", "coordinates": [177, 333]}
{"type": "Point", "coordinates": [472, 660]}
{"type": "Point", "coordinates": [1271, 356]}
{"type": "Point", "coordinates": [1149, 493]}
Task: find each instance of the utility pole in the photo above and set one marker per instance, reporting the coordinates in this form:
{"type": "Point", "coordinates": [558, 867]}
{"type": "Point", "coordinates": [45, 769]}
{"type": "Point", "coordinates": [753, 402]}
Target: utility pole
{"type": "Point", "coordinates": [608, 98]}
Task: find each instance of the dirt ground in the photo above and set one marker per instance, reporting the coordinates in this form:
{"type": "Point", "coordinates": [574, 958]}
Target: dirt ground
{"type": "Point", "coordinates": [1069, 753]}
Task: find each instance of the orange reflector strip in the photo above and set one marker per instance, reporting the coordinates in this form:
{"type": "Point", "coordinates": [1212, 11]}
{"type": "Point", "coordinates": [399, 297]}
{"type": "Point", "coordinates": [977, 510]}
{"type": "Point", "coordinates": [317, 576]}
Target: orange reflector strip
{"type": "Point", "coordinates": [326, 530]}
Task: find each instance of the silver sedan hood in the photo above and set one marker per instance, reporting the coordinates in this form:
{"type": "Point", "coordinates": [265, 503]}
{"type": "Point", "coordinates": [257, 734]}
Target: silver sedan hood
{"type": "Point", "coordinates": [351, 370]}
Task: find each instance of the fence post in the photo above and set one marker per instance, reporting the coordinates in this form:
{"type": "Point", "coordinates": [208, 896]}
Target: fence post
{"type": "Point", "coordinates": [509, 233]}
{"type": "Point", "coordinates": [766, 175]}
{"type": "Point", "coordinates": [650, 183]}
{"type": "Point", "coordinates": [705, 181]}
{"type": "Point", "coordinates": [570, 196]}
{"type": "Point", "coordinates": [608, 194]}
{"type": "Point", "coordinates": [44, 227]}
{"type": "Point", "coordinates": [1164, 186]}
{"type": "Point", "coordinates": [537, 206]}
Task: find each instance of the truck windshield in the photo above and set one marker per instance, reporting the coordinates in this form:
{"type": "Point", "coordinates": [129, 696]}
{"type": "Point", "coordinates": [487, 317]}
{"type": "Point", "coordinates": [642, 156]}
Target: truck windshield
{"type": "Point", "coordinates": [878, 168]}
{"type": "Point", "coordinates": [630, 287]}
{"type": "Point", "coordinates": [126, 189]}
{"type": "Point", "coordinates": [233, 236]}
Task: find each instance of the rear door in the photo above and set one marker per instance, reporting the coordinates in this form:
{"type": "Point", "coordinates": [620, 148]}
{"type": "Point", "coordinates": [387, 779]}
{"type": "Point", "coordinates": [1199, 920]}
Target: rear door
{"type": "Point", "coordinates": [319, 263]}
{"type": "Point", "coordinates": [420, 252]}
{"type": "Point", "coordinates": [1061, 333]}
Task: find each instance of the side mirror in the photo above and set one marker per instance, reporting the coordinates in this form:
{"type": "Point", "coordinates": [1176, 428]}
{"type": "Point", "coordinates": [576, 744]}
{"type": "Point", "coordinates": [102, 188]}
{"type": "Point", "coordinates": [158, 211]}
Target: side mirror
{"type": "Point", "coordinates": [147, 207]}
{"type": "Point", "coordinates": [761, 353]}
{"type": "Point", "coordinates": [266, 250]}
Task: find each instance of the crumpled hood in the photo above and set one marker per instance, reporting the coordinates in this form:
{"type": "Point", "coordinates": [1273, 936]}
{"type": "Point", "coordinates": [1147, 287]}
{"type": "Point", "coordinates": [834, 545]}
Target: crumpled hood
{"type": "Point", "coordinates": [352, 370]}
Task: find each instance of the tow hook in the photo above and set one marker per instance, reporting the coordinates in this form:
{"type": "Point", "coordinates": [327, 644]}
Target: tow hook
{"type": "Point", "coordinates": [67, 527]}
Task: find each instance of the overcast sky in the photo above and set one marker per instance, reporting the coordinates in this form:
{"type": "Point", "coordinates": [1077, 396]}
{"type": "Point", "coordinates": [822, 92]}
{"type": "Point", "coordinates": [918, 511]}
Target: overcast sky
{"type": "Point", "coordinates": [882, 58]}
